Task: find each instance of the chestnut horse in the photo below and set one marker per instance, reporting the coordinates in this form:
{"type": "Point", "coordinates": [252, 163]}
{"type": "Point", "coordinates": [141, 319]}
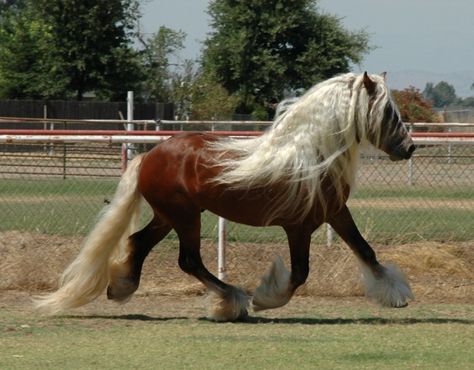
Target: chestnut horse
{"type": "Point", "coordinates": [297, 175]}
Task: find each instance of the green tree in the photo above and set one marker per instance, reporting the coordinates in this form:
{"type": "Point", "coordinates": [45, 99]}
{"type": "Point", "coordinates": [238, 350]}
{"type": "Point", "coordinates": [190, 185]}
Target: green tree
{"type": "Point", "coordinates": [261, 48]}
{"type": "Point", "coordinates": [441, 95]}
{"type": "Point", "coordinates": [198, 96]}
{"type": "Point", "coordinates": [93, 39]}
{"type": "Point", "coordinates": [467, 102]}
{"type": "Point", "coordinates": [10, 4]}
{"type": "Point", "coordinates": [27, 57]}
{"type": "Point", "coordinates": [156, 64]}
{"type": "Point", "coordinates": [210, 100]}
{"type": "Point", "coordinates": [89, 43]}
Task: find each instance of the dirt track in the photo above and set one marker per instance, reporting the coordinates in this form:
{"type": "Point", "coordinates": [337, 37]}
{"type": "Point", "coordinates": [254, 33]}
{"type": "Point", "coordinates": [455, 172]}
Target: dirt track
{"type": "Point", "coordinates": [395, 203]}
{"type": "Point", "coordinates": [439, 273]}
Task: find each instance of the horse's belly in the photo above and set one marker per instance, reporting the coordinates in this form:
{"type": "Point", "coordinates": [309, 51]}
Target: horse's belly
{"type": "Point", "coordinates": [245, 207]}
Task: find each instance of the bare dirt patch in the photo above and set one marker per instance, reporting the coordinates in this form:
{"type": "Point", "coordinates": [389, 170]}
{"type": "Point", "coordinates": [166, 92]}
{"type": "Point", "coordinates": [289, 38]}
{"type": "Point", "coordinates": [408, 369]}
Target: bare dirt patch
{"type": "Point", "coordinates": [30, 263]}
{"type": "Point", "coordinates": [395, 203]}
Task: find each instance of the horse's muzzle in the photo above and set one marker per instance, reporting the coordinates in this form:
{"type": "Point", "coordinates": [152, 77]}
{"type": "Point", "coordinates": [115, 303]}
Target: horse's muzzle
{"type": "Point", "coordinates": [402, 153]}
{"type": "Point", "coordinates": [410, 151]}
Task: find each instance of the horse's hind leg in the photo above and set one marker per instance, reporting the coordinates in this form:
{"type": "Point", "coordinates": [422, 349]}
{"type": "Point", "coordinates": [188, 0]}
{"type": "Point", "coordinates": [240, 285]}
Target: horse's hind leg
{"type": "Point", "coordinates": [125, 273]}
{"type": "Point", "coordinates": [229, 303]}
{"type": "Point", "coordinates": [386, 284]}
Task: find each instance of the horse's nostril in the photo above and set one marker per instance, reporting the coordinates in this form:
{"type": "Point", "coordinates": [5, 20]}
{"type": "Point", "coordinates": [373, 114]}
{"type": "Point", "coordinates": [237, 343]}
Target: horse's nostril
{"type": "Point", "coordinates": [411, 149]}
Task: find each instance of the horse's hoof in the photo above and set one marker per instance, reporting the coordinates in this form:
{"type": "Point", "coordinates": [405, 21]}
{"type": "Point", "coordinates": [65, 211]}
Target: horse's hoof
{"type": "Point", "coordinates": [121, 292]}
{"type": "Point", "coordinates": [402, 305]}
{"type": "Point", "coordinates": [110, 294]}
{"type": "Point", "coordinates": [244, 315]}
{"type": "Point", "coordinates": [232, 306]}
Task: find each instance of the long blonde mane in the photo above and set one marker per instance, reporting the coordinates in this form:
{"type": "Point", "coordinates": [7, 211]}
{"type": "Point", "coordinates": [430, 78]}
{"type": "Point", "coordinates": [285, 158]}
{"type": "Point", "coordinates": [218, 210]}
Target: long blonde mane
{"type": "Point", "coordinates": [315, 136]}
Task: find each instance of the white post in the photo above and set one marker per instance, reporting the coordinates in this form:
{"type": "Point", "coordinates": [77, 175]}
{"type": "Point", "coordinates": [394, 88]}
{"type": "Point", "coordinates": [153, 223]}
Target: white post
{"type": "Point", "coordinates": [410, 165]}
{"type": "Point", "coordinates": [51, 127]}
{"type": "Point", "coordinates": [221, 244]}
{"type": "Point", "coordinates": [45, 124]}
{"type": "Point", "coordinates": [449, 149]}
{"type": "Point", "coordinates": [130, 126]}
{"type": "Point", "coordinates": [410, 172]}
{"type": "Point", "coordinates": [329, 235]}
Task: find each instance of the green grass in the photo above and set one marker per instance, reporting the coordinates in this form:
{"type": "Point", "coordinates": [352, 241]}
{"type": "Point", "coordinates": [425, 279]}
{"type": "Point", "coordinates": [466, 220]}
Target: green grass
{"type": "Point", "coordinates": [408, 225]}
{"type": "Point", "coordinates": [71, 206]}
{"type": "Point", "coordinates": [58, 187]}
{"type": "Point", "coordinates": [414, 192]}
{"type": "Point", "coordinates": [53, 206]}
{"type": "Point", "coordinates": [426, 337]}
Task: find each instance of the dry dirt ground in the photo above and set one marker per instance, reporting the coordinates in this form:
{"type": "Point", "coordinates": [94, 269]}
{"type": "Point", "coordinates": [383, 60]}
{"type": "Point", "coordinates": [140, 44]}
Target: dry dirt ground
{"type": "Point", "coordinates": [31, 263]}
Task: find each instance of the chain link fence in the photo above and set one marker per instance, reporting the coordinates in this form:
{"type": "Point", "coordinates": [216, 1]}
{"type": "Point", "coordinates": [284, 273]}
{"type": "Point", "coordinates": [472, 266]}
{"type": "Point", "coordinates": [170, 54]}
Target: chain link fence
{"type": "Point", "coordinates": [58, 190]}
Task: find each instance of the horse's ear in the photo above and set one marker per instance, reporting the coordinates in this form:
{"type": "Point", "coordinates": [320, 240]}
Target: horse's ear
{"type": "Point", "coordinates": [384, 76]}
{"type": "Point", "coordinates": [369, 84]}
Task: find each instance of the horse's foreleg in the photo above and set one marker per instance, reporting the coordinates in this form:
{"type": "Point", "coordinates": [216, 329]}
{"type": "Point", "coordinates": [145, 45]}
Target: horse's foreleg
{"type": "Point", "coordinates": [386, 284]}
{"type": "Point", "coordinates": [278, 286]}
{"type": "Point", "coordinates": [125, 273]}
{"type": "Point", "coordinates": [226, 303]}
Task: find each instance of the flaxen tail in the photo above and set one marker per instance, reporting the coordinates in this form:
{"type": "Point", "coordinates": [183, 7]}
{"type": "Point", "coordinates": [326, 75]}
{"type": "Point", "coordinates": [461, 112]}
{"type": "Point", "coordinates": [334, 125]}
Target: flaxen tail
{"type": "Point", "coordinates": [88, 275]}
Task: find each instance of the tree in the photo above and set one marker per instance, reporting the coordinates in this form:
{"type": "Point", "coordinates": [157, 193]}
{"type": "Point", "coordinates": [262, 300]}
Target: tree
{"type": "Point", "coordinates": [467, 102]}
{"type": "Point", "coordinates": [156, 55]}
{"type": "Point", "coordinates": [94, 39]}
{"type": "Point", "coordinates": [261, 48]}
{"type": "Point", "coordinates": [89, 43]}
{"type": "Point", "coordinates": [27, 57]}
{"type": "Point", "coordinates": [198, 96]}
{"type": "Point", "coordinates": [210, 100]}
{"type": "Point", "coordinates": [413, 106]}
{"type": "Point", "coordinates": [441, 95]}
{"type": "Point", "coordinates": [7, 4]}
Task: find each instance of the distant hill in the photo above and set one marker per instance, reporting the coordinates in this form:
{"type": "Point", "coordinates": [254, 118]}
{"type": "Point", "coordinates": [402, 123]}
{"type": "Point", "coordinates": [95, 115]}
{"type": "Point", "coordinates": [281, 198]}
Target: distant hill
{"type": "Point", "coordinates": [461, 81]}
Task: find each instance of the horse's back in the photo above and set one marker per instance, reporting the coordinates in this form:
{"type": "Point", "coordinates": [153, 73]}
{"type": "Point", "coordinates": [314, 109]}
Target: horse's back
{"type": "Point", "coordinates": [174, 167]}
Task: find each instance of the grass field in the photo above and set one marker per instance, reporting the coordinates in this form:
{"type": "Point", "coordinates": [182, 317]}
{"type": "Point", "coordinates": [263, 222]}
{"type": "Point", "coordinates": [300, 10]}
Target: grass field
{"type": "Point", "coordinates": [68, 207]}
{"type": "Point", "coordinates": [165, 332]}
{"type": "Point", "coordinates": [308, 335]}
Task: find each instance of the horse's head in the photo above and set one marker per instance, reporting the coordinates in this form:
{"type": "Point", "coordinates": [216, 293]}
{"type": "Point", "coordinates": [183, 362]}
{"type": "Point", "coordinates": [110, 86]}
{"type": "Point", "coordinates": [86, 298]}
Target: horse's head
{"type": "Point", "coordinates": [385, 129]}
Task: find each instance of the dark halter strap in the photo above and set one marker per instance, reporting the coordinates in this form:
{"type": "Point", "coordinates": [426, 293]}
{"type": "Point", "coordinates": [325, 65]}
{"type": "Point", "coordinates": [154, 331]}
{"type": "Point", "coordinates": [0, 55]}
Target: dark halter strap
{"type": "Point", "coordinates": [357, 134]}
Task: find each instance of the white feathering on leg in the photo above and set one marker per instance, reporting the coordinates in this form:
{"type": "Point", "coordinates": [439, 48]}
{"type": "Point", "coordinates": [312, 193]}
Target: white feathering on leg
{"type": "Point", "coordinates": [391, 289]}
{"type": "Point", "coordinates": [274, 289]}
{"type": "Point", "coordinates": [231, 307]}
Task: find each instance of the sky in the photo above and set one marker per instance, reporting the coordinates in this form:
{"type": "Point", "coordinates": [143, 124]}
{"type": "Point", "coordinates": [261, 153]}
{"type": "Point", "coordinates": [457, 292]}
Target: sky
{"type": "Point", "coordinates": [435, 36]}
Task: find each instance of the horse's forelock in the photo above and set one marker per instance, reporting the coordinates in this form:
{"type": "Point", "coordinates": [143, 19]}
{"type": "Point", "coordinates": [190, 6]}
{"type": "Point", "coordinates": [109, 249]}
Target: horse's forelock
{"type": "Point", "coordinates": [378, 108]}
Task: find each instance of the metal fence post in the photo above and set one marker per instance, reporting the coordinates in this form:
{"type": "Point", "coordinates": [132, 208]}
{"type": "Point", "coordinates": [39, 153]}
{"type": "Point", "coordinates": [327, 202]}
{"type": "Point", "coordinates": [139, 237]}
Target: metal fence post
{"type": "Point", "coordinates": [410, 163]}
{"type": "Point", "coordinates": [410, 172]}
{"type": "Point", "coordinates": [221, 245]}
{"type": "Point", "coordinates": [450, 149]}
{"type": "Point", "coordinates": [329, 235]}
{"type": "Point", "coordinates": [130, 125]}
